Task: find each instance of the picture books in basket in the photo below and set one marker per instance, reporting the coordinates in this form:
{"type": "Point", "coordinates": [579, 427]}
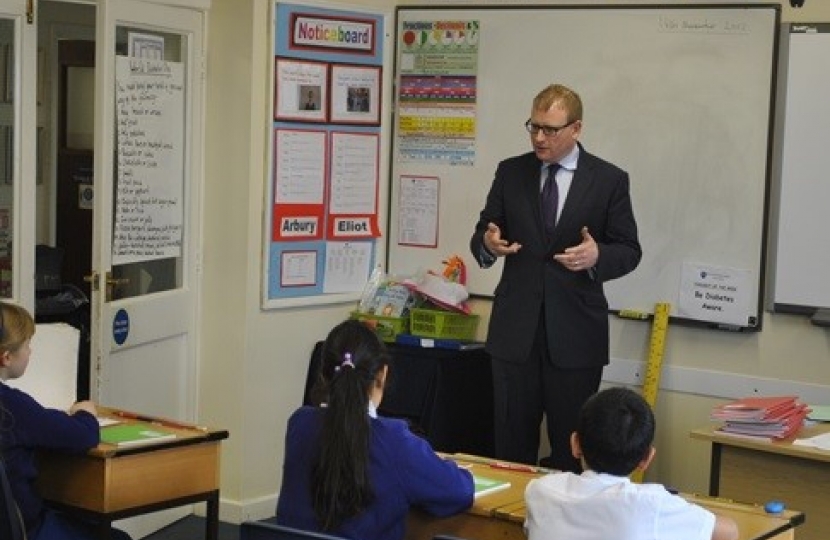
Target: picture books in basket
{"type": "Point", "coordinates": [133, 434]}
{"type": "Point", "coordinates": [766, 417]}
{"type": "Point", "coordinates": [485, 485]}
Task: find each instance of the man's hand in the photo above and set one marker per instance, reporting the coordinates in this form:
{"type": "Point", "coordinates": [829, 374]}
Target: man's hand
{"type": "Point", "coordinates": [495, 244]}
{"type": "Point", "coordinates": [582, 256]}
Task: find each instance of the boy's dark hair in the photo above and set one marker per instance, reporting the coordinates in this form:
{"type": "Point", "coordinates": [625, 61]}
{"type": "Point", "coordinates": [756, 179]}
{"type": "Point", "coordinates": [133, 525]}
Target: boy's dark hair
{"type": "Point", "coordinates": [615, 430]}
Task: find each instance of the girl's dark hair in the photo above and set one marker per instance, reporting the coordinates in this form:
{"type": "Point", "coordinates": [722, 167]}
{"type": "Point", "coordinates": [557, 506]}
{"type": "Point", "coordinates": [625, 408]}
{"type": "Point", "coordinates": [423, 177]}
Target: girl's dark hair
{"type": "Point", "coordinates": [352, 359]}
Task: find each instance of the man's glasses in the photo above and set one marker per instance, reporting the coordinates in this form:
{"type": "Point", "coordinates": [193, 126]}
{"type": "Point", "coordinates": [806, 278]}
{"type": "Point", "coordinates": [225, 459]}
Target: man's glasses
{"type": "Point", "coordinates": [549, 131]}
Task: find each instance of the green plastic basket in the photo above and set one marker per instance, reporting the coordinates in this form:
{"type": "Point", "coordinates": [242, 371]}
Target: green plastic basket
{"type": "Point", "coordinates": [433, 323]}
{"type": "Point", "coordinates": [387, 328]}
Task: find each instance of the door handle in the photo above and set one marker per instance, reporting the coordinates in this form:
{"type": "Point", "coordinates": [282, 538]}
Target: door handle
{"type": "Point", "coordinates": [92, 279]}
{"type": "Point", "coordinates": [116, 282]}
{"type": "Point", "coordinates": [113, 283]}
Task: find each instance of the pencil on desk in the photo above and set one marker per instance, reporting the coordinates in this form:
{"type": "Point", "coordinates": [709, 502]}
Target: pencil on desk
{"type": "Point", "coordinates": [157, 421]}
{"type": "Point", "coordinates": [520, 467]}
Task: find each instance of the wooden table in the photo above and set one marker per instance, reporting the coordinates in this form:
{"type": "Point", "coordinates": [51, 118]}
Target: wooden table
{"type": "Point", "coordinates": [111, 483]}
{"type": "Point", "coordinates": [481, 521]}
{"type": "Point", "coordinates": [501, 515]}
{"type": "Point", "coordinates": [747, 469]}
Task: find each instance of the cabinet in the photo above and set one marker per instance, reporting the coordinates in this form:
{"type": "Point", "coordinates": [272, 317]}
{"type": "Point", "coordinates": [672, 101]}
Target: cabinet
{"type": "Point", "coordinates": [445, 395]}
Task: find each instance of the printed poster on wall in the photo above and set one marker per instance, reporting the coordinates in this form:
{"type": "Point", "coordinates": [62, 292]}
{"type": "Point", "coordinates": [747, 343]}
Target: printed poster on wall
{"type": "Point", "coordinates": [437, 91]}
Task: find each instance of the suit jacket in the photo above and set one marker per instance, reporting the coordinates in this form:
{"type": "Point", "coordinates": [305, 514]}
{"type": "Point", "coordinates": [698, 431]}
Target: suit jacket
{"type": "Point", "coordinates": [574, 303]}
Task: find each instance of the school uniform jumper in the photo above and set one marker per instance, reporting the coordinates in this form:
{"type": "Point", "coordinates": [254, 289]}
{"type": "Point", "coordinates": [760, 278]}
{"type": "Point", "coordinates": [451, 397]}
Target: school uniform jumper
{"type": "Point", "coordinates": [25, 426]}
{"type": "Point", "coordinates": [404, 471]}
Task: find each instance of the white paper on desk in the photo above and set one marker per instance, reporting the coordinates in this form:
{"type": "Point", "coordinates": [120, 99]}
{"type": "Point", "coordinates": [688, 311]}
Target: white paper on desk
{"type": "Point", "coordinates": [822, 442]}
{"type": "Point", "coordinates": [51, 375]}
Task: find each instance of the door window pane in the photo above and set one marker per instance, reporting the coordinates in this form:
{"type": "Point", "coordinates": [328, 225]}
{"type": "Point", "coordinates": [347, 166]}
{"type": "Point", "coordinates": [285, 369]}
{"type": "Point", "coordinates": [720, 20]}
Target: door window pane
{"type": "Point", "coordinates": [149, 201]}
{"type": "Point", "coordinates": [7, 153]}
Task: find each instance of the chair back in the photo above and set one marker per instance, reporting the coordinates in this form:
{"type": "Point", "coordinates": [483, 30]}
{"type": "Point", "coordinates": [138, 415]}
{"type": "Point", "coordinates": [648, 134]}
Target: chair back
{"type": "Point", "coordinates": [11, 524]}
{"type": "Point", "coordinates": [266, 530]}
{"type": "Point", "coordinates": [48, 263]}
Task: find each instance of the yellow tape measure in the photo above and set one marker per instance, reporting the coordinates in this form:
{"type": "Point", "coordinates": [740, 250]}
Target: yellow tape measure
{"type": "Point", "coordinates": [657, 346]}
{"type": "Point", "coordinates": [651, 382]}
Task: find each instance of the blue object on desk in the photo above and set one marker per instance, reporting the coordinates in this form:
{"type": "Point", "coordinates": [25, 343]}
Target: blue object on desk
{"type": "Point", "coordinates": [432, 343]}
{"type": "Point", "coordinates": [774, 507]}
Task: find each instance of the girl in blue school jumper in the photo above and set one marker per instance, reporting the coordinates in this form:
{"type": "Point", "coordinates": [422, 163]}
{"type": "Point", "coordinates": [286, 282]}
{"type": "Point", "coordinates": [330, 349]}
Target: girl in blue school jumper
{"type": "Point", "coordinates": [26, 426]}
{"type": "Point", "coordinates": [349, 472]}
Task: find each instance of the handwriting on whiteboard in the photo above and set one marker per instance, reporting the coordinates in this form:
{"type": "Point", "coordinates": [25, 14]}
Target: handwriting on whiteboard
{"type": "Point", "coordinates": [691, 24]}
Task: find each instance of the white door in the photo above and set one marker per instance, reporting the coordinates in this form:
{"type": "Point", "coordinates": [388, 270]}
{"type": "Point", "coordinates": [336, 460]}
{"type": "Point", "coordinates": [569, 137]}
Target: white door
{"type": "Point", "coordinates": [18, 131]}
{"type": "Point", "coordinates": [146, 231]}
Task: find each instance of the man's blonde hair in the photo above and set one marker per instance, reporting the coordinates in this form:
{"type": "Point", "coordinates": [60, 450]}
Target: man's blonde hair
{"type": "Point", "coordinates": [562, 97]}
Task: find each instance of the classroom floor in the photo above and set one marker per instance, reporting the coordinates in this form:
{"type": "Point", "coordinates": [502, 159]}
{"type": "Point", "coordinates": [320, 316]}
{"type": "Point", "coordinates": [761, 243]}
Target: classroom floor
{"type": "Point", "coordinates": [193, 528]}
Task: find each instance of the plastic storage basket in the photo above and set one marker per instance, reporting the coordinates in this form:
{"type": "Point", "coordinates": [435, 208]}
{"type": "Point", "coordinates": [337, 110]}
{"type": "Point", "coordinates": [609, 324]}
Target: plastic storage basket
{"type": "Point", "coordinates": [439, 324]}
{"type": "Point", "coordinates": [387, 328]}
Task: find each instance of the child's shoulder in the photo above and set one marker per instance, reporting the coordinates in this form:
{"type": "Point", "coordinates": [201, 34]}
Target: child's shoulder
{"type": "Point", "coordinates": [555, 481]}
{"type": "Point", "coordinates": [392, 425]}
{"type": "Point", "coordinates": [14, 397]}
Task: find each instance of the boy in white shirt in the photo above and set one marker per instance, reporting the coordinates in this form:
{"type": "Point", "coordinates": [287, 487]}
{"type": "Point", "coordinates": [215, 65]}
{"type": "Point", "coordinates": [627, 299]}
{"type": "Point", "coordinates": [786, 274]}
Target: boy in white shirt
{"type": "Point", "coordinates": [613, 439]}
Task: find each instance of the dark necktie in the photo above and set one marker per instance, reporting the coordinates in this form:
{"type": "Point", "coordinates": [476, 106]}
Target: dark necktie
{"type": "Point", "coordinates": [550, 199]}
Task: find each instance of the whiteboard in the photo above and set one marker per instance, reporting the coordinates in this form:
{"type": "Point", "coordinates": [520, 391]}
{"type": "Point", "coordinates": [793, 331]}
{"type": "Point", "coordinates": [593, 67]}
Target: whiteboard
{"type": "Point", "coordinates": [680, 97]}
{"type": "Point", "coordinates": [802, 254]}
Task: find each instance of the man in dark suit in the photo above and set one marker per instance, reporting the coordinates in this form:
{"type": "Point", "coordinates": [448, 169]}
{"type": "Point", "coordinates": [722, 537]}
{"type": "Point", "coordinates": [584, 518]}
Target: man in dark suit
{"type": "Point", "coordinates": [548, 333]}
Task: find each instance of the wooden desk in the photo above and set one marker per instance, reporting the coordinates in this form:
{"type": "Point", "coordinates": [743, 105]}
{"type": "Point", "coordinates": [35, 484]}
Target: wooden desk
{"type": "Point", "coordinates": [746, 469]}
{"type": "Point", "coordinates": [483, 521]}
{"type": "Point", "coordinates": [501, 515]}
{"type": "Point", "coordinates": [110, 483]}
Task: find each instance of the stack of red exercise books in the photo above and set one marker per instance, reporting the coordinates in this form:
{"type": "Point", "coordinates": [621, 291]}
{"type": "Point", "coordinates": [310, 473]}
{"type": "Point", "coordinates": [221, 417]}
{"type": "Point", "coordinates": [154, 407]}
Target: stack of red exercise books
{"type": "Point", "coordinates": [774, 417]}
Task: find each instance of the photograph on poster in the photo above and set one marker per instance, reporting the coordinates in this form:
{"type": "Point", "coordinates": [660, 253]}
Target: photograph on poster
{"type": "Point", "coordinates": [355, 94]}
{"type": "Point", "coordinates": [300, 90]}
{"type": "Point", "coordinates": [298, 268]}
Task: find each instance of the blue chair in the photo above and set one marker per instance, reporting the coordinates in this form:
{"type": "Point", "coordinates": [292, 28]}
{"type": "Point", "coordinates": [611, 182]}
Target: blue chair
{"type": "Point", "coordinates": [267, 530]}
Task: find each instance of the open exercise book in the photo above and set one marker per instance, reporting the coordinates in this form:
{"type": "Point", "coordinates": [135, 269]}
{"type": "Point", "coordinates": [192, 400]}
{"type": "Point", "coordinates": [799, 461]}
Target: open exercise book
{"type": "Point", "coordinates": [485, 486]}
{"type": "Point", "coordinates": [134, 434]}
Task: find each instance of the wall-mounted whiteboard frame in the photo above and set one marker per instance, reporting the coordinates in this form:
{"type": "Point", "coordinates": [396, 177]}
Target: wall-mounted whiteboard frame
{"type": "Point", "coordinates": [801, 256]}
{"type": "Point", "coordinates": [679, 96]}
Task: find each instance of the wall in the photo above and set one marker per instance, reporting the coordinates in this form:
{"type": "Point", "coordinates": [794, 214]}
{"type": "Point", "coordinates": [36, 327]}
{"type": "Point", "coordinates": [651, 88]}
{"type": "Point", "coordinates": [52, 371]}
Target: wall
{"type": "Point", "coordinates": [253, 361]}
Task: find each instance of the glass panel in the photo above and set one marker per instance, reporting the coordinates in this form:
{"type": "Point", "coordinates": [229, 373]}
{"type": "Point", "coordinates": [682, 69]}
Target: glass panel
{"type": "Point", "coordinates": [7, 153]}
{"type": "Point", "coordinates": [80, 92]}
{"type": "Point", "coordinates": [149, 200]}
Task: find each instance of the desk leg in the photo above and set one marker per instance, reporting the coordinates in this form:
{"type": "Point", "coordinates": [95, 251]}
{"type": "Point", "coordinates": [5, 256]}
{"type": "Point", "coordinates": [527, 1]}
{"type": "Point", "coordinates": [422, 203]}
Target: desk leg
{"type": "Point", "coordinates": [714, 470]}
{"type": "Point", "coordinates": [212, 517]}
